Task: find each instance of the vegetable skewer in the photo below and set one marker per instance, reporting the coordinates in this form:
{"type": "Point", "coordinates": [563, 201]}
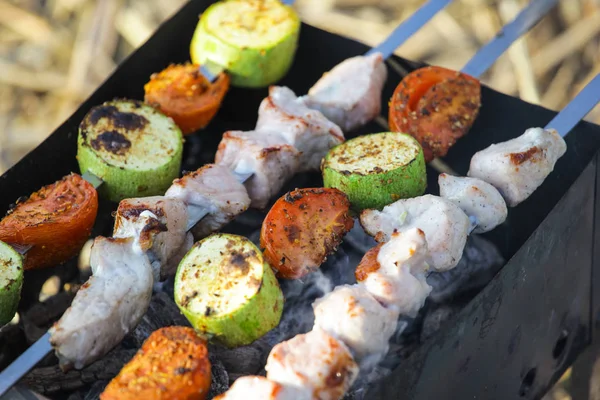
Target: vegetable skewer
{"type": "Point", "coordinates": [438, 106]}
{"type": "Point", "coordinates": [394, 275]}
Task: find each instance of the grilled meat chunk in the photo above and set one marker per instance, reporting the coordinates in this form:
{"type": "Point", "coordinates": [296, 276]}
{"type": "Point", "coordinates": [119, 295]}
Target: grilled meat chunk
{"type": "Point", "coordinates": [212, 189]}
{"type": "Point", "coordinates": [351, 314]}
{"type": "Point", "coordinates": [158, 226]}
{"type": "Point", "coordinates": [107, 307]}
{"type": "Point", "coordinates": [306, 129]}
{"type": "Point", "coordinates": [350, 94]}
{"type": "Point", "coordinates": [519, 166]}
{"type": "Point", "coordinates": [445, 226]}
{"type": "Point", "coordinates": [478, 199]}
{"type": "Point", "coordinates": [314, 361]}
{"type": "Point", "coordinates": [260, 388]}
{"type": "Point", "coordinates": [266, 155]}
{"type": "Point", "coordinates": [394, 272]}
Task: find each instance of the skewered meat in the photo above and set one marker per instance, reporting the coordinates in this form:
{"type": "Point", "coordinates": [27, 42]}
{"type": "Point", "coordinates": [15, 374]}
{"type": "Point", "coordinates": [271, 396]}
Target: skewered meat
{"type": "Point", "coordinates": [315, 361]}
{"type": "Point", "coordinates": [519, 166]}
{"type": "Point", "coordinates": [260, 388]}
{"type": "Point", "coordinates": [265, 154]}
{"type": "Point", "coordinates": [352, 315]}
{"type": "Point", "coordinates": [158, 226]}
{"type": "Point", "coordinates": [350, 94]}
{"type": "Point", "coordinates": [394, 272]}
{"type": "Point", "coordinates": [171, 365]}
{"type": "Point", "coordinates": [477, 198]}
{"type": "Point", "coordinates": [213, 188]}
{"type": "Point", "coordinates": [306, 129]}
{"type": "Point", "coordinates": [107, 307]}
{"type": "Point", "coordinates": [445, 226]}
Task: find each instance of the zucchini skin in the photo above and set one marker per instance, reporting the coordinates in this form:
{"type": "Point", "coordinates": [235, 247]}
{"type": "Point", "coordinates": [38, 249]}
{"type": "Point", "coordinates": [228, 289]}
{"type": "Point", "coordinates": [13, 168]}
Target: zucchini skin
{"type": "Point", "coordinates": [10, 295]}
{"type": "Point", "coordinates": [376, 190]}
{"type": "Point", "coordinates": [247, 67]}
{"type": "Point", "coordinates": [121, 183]}
{"type": "Point", "coordinates": [260, 314]}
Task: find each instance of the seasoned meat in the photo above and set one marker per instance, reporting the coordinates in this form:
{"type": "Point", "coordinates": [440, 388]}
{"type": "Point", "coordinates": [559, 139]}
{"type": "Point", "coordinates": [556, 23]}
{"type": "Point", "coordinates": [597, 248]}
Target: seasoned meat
{"type": "Point", "coordinates": [260, 388]}
{"type": "Point", "coordinates": [519, 166]}
{"type": "Point", "coordinates": [394, 272]}
{"type": "Point", "coordinates": [306, 129]}
{"type": "Point", "coordinates": [171, 365]}
{"type": "Point", "coordinates": [351, 314]}
{"type": "Point", "coordinates": [212, 189]}
{"type": "Point", "coordinates": [478, 199]}
{"type": "Point", "coordinates": [107, 307]}
{"type": "Point", "coordinates": [264, 154]}
{"type": "Point", "coordinates": [158, 226]}
{"type": "Point", "coordinates": [315, 361]}
{"type": "Point", "coordinates": [445, 226]}
{"type": "Point", "coordinates": [350, 94]}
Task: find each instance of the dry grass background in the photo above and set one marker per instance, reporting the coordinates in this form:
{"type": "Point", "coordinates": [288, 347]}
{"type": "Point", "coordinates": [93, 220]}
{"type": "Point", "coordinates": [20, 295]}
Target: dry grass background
{"type": "Point", "coordinates": [53, 53]}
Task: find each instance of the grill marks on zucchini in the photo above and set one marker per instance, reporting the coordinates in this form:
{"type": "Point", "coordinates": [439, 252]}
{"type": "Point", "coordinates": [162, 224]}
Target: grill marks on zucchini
{"type": "Point", "coordinates": [227, 290]}
{"type": "Point", "coordinates": [132, 147]}
{"type": "Point", "coordinates": [376, 170]}
{"type": "Point", "coordinates": [254, 40]}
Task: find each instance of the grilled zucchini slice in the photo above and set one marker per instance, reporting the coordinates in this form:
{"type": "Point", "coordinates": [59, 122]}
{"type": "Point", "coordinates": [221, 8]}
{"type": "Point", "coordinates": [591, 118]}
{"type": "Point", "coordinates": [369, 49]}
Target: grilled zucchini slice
{"type": "Point", "coordinates": [11, 281]}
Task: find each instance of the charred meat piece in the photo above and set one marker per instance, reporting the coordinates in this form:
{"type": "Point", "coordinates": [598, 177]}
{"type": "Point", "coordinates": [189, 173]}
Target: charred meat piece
{"type": "Point", "coordinates": [351, 314]}
{"type": "Point", "coordinates": [171, 365]}
{"type": "Point", "coordinates": [213, 188]}
{"type": "Point", "coordinates": [264, 154]}
{"type": "Point", "coordinates": [314, 361]}
{"type": "Point", "coordinates": [478, 199]}
{"type": "Point", "coordinates": [350, 94]}
{"type": "Point", "coordinates": [306, 129]}
{"type": "Point", "coordinates": [519, 166]}
{"type": "Point", "coordinates": [158, 226]}
{"type": "Point", "coordinates": [260, 388]}
{"type": "Point", "coordinates": [394, 272]}
{"type": "Point", "coordinates": [302, 228]}
{"type": "Point", "coordinates": [107, 307]}
{"type": "Point", "coordinates": [445, 226]}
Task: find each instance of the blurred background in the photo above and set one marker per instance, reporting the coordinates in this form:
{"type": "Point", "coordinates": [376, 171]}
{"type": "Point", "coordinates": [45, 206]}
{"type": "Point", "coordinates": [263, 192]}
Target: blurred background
{"type": "Point", "coordinates": [54, 53]}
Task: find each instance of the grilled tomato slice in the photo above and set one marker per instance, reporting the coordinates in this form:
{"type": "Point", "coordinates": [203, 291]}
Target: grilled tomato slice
{"type": "Point", "coordinates": [302, 228]}
{"type": "Point", "coordinates": [184, 94]}
{"type": "Point", "coordinates": [56, 221]}
{"type": "Point", "coordinates": [436, 106]}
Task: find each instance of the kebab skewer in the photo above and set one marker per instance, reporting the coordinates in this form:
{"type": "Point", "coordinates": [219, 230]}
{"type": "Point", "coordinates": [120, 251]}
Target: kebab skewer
{"type": "Point", "coordinates": [438, 106]}
{"type": "Point", "coordinates": [347, 106]}
{"type": "Point", "coordinates": [391, 279]}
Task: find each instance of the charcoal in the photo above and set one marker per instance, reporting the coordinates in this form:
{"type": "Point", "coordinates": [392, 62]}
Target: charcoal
{"type": "Point", "coordinates": [96, 390]}
{"type": "Point", "coordinates": [220, 378]}
{"type": "Point", "coordinates": [480, 261]}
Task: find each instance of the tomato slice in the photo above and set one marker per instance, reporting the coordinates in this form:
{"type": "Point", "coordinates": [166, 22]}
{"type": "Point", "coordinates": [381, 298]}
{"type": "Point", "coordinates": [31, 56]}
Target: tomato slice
{"type": "Point", "coordinates": [183, 93]}
{"type": "Point", "coordinates": [436, 106]}
{"type": "Point", "coordinates": [56, 221]}
{"type": "Point", "coordinates": [303, 228]}
{"type": "Point", "coordinates": [368, 263]}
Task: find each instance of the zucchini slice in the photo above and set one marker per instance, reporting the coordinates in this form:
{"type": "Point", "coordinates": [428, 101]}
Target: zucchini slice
{"type": "Point", "coordinates": [227, 290]}
{"type": "Point", "coordinates": [254, 40]}
{"type": "Point", "coordinates": [132, 147]}
{"type": "Point", "coordinates": [11, 281]}
{"type": "Point", "coordinates": [376, 170]}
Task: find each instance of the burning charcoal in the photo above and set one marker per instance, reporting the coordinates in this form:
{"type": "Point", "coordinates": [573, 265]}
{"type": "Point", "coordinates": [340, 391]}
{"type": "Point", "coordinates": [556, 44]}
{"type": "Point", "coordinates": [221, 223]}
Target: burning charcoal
{"type": "Point", "coordinates": [95, 391]}
{"type": "Point", "coordinates": [478, 265]}
{"type": "Point", "coordinates": [437, 317]}
{"type": "Point", "coordinates": [359, 239]}
{"type": "Point", "coordinates": [243, 360]}
{"type": "Point", "coordinates": [220, 379]}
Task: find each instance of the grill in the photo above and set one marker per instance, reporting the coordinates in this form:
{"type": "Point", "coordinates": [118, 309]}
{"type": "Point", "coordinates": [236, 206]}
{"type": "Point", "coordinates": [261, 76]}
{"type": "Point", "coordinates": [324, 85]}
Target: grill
{"type": "Point", "coordinates": [511, 329]}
